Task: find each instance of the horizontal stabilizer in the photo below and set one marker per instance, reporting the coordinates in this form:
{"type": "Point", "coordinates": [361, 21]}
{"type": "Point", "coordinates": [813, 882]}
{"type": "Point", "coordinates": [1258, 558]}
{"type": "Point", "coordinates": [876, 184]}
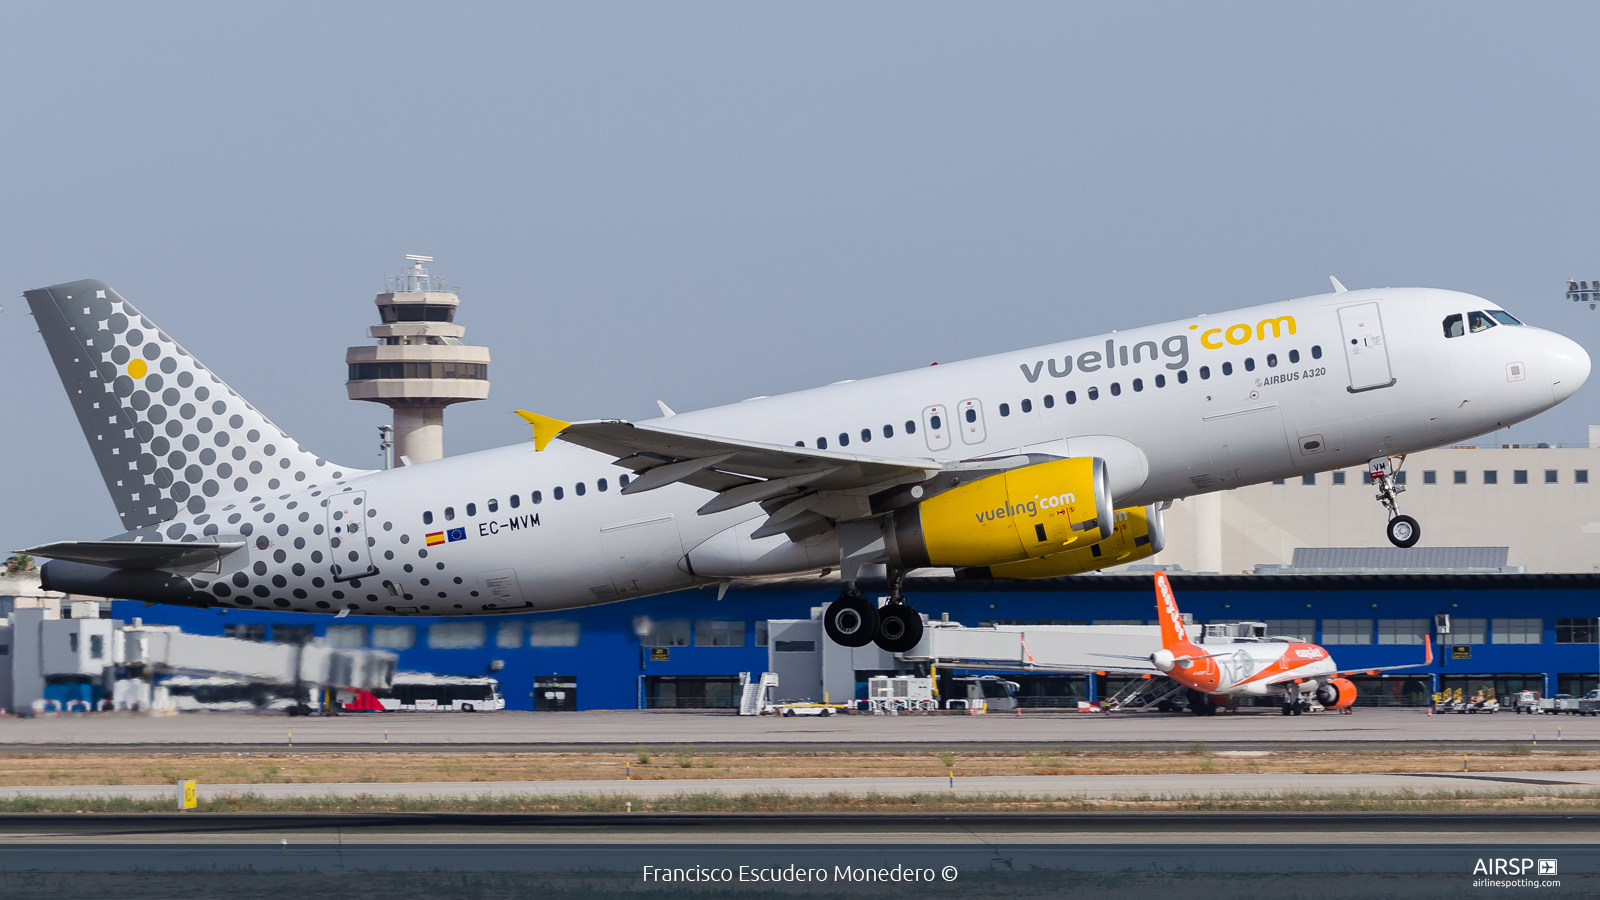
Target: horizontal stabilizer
{"type": "Point", "coordinates": [138, 554]}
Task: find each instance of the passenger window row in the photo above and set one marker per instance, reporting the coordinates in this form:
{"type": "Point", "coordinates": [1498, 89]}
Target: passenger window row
{"type": "Point", "coordinates": [1049, 400]}
{"type": "Point", "coordinates": [866, 434]}
{"type": "Point", "coordinates": [515, 500]}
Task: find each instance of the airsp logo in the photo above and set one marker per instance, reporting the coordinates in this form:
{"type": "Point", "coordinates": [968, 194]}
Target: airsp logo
{"type": "Point", "coordinates": [1513, 867]}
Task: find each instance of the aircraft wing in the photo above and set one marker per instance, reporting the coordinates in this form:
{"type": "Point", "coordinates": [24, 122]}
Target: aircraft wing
{"type": "Point", "coordinates": [1427, 659]}
{"type": "Point", "coordinates": [737, 471]}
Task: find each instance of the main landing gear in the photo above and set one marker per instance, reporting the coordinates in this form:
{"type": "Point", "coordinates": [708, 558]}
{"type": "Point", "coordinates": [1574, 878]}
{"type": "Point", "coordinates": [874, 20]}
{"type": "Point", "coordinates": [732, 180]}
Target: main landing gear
{"type": "Point", "coordinates": [1200, 704]}
{"type": "Point", "coordinates": [1403, 531]}
{"type": "Point", "coordinates": [854, 621]}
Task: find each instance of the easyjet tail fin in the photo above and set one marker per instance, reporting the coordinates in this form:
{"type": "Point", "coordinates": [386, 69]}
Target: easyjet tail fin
{"type": "Point", "coordinates": [1174, 633]}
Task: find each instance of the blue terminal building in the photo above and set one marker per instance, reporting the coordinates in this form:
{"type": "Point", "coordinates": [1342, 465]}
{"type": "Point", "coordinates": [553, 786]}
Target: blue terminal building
{"type": "Point", "coordinates": [685, 650]}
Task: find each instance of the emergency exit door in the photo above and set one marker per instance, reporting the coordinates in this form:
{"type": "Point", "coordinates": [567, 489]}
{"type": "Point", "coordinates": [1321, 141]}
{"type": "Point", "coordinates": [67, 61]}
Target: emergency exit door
{"type": "Point", "coordinates": [1365, 352]}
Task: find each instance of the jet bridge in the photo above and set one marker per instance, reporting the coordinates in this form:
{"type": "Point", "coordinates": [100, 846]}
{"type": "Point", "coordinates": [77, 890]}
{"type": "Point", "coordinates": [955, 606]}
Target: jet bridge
{"type": "Point", "coordinates": [1033, 648]}
{"type": "Point", "coordinates": [810, 667]}
{"type": "Point", "coordinates": [71, 664]}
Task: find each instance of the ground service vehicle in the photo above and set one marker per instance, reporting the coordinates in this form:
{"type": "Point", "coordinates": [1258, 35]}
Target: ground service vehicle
{"type": "Point", "coordinates": [414, 691]}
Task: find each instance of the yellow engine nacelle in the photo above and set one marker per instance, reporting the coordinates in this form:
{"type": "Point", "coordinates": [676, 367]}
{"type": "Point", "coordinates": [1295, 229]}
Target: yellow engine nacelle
{"type": "Point", "coordinates": [1139, 534]}
{"type": "Point", "coordinates": [1023, 513]}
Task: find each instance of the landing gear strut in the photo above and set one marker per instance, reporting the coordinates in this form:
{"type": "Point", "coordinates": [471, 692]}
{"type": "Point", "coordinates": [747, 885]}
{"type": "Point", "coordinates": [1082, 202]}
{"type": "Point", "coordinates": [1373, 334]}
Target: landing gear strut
{"type": "Point", "coordinates": [1403, 531]}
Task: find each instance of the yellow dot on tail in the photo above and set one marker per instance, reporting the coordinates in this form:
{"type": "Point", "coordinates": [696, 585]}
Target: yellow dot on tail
{"type": "Point", "coordinates": [137, 368]}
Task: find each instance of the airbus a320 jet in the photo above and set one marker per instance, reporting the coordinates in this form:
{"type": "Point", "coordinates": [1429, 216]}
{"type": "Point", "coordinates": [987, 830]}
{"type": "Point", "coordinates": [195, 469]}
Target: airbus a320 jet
{"type": "Point", "coordinates": [1036, 463]}
{"type": "Point", "coordinates": [1293, 670]}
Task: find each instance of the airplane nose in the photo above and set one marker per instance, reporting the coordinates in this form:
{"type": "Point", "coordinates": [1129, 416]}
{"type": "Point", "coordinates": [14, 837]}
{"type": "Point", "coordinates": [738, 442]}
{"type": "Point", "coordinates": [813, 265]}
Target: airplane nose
{"type": "Point", "coordinates": [1568, 364]}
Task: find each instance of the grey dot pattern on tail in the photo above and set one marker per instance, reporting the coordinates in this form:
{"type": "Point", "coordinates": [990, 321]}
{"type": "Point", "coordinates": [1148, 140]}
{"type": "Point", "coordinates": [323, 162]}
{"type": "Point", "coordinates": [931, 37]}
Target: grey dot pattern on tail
{"type": "Point", "coordinates": [169, 436]}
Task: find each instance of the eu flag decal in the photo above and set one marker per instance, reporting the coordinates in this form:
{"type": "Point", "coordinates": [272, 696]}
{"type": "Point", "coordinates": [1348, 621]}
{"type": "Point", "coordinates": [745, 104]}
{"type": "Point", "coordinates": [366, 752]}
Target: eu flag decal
{"type": "Point", "coordinates": [456, 534]}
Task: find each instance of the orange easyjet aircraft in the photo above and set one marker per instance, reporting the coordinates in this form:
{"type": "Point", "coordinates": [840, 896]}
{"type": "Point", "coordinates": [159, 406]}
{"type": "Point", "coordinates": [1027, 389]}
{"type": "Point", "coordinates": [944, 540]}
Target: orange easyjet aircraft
{"type": "Point", "coordinates": [1295, 670]}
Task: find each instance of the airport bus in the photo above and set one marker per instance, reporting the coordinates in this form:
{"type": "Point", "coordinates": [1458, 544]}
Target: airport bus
{"type": "Point", "coordinates": [441, 693]}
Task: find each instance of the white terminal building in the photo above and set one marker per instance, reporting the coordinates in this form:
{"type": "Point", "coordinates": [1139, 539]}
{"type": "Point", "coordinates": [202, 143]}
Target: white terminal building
{"type": "Point", "coordinates": [1519, 507]}
{"type": "Point", "coordinates": [420, 363]}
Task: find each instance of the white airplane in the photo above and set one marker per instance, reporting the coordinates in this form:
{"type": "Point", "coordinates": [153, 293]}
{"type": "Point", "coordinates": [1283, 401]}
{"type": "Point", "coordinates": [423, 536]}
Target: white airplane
{"type": "Point", "coordinates": [1036, 463]}
{"type": "Point", "coordinates": [1295, 671]}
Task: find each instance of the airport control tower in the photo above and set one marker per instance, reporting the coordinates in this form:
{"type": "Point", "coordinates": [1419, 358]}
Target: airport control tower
{"type": "Point", "coordinates": [419, 365]}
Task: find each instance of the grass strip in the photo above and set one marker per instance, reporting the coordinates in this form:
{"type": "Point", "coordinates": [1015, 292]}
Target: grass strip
{"type": "Point", "coordinates": [1438, 800]}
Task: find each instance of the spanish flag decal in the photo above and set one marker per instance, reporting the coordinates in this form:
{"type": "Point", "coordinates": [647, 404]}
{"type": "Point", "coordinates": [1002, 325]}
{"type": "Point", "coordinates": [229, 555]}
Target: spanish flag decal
{"type": "Point", "coordinates": [436, 538]}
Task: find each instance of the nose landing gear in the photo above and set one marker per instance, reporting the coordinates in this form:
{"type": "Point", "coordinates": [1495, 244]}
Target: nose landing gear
{"type": "Point", "coordinates": [1402, 531]}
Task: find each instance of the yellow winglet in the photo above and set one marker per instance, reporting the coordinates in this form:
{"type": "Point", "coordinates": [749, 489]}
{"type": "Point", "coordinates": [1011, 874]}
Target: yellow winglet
{"type": "Point", "coordinates": [545, 428]}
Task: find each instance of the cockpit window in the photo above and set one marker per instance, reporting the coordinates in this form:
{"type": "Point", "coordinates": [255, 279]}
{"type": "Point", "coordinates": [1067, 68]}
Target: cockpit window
{"type": "Point", "coordinates": [1477, 321]}
{"type": "Point", "coordinates": [1503, 317]}
{"type": "Point", "coordinates": [1452, 326]}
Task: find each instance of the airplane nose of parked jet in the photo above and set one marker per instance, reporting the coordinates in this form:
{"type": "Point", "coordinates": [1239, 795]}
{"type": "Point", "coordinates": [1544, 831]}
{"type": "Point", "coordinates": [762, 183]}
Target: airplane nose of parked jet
{"type": "Point", "coordinates": [1568, 364]}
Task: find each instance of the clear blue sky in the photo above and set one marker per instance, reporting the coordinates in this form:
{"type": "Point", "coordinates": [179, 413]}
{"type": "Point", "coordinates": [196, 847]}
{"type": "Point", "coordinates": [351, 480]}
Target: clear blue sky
{"type": "Point", "coordinates": [703, 202]}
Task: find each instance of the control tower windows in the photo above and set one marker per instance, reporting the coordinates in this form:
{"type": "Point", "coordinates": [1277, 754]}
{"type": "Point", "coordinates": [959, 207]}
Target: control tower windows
{"type": "Point", "coordinates": [417, 312]}
{"type": "Point", "coordinates": [375, 370]}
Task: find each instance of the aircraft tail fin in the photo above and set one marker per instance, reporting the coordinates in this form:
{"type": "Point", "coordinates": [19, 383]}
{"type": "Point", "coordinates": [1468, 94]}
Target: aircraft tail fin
{"type": "Point", "coordinates": [168, 435]}
{"type": "Point", "coordinates": [1174, 632]}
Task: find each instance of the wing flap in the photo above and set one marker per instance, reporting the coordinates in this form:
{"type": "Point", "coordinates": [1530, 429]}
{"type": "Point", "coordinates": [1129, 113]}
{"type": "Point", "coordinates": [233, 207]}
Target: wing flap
{"type": "Point", "coordinates": [738, 471]}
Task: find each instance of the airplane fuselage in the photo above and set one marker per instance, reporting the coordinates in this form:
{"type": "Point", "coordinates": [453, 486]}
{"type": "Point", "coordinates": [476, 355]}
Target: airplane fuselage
{"type": "Point", "coordinates": [1204, 404]}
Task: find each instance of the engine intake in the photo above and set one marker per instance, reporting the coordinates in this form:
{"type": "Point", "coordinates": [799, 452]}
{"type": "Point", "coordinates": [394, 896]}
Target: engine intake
{"type": "Point", "coordinates": [1024, 513]}
{"type": "Point", "coordinates": [1336, 693]}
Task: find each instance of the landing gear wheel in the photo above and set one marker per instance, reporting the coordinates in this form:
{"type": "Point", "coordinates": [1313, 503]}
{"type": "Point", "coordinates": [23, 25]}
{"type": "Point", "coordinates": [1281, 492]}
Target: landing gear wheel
{"type": "Point", "coordinates": [1403, 531]}
{"type": "Point", "coordinates": [899, 628]}
{"type": "Point", "coordinates": [851, 621]}
{"type": "Point", "coordinates": [1288, 710]}
{"type": "Point", "coordinates": [1299, 708]}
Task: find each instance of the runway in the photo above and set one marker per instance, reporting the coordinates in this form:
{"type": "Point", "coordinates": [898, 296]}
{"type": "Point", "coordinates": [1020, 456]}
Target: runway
{"type": "Point", "coordinates": [868, 829]}
{"type": "Point", "coordinates": [1055, 786]}
{"type": "Point", "coordinates": [706, 730]}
